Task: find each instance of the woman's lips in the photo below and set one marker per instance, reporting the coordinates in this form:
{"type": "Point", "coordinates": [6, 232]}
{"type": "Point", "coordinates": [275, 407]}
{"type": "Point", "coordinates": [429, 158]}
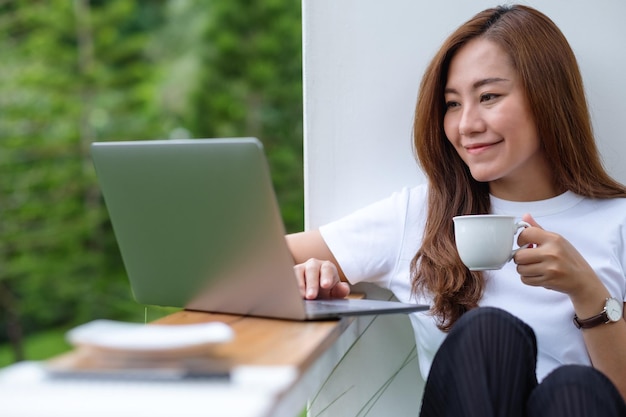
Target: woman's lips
{"type": "Point", "coordinates": [476, 148]}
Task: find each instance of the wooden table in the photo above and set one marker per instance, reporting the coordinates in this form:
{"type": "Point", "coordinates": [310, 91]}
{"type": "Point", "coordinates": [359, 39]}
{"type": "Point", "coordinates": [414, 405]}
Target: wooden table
{"type": "Point", "coordinates": [278, 367]}
{"type": "Point", "coordinates": [268, 342]}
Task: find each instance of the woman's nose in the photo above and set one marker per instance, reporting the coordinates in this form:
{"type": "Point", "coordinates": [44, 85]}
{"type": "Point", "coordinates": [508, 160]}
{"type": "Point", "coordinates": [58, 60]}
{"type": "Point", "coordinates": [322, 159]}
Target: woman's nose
{"type": "Point", "coordinates": [471, 121]}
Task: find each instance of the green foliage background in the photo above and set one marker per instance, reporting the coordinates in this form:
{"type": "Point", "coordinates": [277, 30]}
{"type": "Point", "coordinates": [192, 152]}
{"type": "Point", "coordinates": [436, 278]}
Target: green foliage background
{"type": "Point", "coordinates": [77, 71]}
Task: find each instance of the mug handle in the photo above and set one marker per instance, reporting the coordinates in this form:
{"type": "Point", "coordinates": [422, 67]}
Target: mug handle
{"type": "Point", "coordinates": [519, 225]}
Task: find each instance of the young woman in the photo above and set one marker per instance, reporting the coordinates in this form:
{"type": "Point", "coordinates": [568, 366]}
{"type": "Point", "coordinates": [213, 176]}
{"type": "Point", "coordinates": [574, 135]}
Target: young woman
{"type": "Point", "coordinates": [501, 126]}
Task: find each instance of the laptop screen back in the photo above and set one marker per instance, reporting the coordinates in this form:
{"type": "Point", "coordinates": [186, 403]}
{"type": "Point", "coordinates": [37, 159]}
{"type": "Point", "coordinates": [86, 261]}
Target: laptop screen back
{"type": "Point", "coordinates": [198, 225]}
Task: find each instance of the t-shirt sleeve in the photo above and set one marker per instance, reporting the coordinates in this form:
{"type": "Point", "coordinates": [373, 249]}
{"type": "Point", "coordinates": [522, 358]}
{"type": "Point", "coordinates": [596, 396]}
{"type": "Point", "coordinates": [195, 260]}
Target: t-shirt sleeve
{"type": "Point", "coordinates": [367, 243]}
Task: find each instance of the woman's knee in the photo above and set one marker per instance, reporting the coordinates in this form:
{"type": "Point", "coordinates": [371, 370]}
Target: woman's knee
{"type": "Point", "coordinates": [578, 389]}
{"type": "Point", "coordinates": [494, 323]}
{"type": "Point", "coordinates": [488, 315]}
{"type": "Point", "coordinates": [490, 335]}
{"type": "Point", "coordinates": [582, 375]}
{"type": "Point", "coordinates": [488, 359]}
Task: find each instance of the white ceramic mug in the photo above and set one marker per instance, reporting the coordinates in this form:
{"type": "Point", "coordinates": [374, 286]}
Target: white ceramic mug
{"type": "Point", "coordinates": [485, 241]}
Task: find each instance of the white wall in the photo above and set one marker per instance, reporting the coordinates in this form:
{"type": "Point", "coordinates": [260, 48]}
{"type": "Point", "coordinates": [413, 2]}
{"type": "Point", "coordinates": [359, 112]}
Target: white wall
{"type": "Point", "coordinates": [363, 61]}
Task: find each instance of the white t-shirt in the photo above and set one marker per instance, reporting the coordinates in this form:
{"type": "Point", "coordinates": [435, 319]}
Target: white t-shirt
{"type": "Point", "coordinates": [377, 243]}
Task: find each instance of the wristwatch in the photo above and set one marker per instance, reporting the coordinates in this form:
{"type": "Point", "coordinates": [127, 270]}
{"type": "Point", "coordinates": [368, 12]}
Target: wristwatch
{"type": "Point", "coordinates": [612, 312]}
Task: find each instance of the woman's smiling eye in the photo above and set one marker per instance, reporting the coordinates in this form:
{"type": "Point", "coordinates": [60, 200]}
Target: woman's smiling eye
{"type": "Point", "coordinates": [450, 104]}
{"type": "Point", "coordinates": [488, 96]}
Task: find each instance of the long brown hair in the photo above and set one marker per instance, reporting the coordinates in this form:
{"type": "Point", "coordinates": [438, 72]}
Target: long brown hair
{"type": "Point", "coordinates": [551, 79]}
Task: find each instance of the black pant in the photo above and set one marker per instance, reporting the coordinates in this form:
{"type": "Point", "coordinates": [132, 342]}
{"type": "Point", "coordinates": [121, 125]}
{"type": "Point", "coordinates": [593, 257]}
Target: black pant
{"type": "Point", "coordinates": [486, 368]}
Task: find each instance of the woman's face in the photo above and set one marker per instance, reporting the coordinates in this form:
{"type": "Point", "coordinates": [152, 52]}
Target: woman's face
{"type": "Point", "coordinates": [489, 123]}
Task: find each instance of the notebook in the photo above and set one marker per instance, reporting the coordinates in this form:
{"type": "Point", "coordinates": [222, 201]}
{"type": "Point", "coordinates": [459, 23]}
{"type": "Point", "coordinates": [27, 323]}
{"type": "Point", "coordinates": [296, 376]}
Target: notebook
{"type": "Point", "coordinates": [198, 227]}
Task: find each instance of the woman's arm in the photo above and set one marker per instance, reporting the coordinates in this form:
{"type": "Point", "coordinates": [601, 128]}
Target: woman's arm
{"type": "Point", "coordinates": [317, 271]}
{"type": "Point", "coordinates": [607, 348]}
{"type": "Point", "coordinates": [555, 264]}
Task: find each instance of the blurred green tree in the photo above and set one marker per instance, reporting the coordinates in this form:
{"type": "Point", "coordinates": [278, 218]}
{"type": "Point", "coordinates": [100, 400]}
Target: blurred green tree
{"type": "Point", "coordinates": [72, 73]}
{"type": "Point", "coordinates": [79, 71]}
{"type": "Point", "coordinates": [250, 84]}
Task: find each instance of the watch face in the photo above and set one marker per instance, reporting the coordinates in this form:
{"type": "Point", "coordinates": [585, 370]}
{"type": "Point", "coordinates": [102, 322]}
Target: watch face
{"type": "Point", "coordinates": [614, 309]}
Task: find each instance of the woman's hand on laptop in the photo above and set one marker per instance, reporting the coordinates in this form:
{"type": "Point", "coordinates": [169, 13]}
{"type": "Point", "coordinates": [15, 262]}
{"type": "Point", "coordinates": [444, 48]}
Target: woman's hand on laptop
{"type": "Point", "coordinates": [317, 271]}
{"type": "Point", "coordinates": [320, 279]}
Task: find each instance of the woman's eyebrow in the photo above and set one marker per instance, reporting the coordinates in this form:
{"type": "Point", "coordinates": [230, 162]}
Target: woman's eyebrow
{"type": "Point", "coordinates": [478, 84]}
{"type": "Point", "coordinates": [486, 81]}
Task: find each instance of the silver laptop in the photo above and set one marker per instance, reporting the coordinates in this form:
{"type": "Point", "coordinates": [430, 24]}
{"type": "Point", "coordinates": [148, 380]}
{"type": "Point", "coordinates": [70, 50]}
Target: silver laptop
{"type": "Point", "coordinates": [198, 226]}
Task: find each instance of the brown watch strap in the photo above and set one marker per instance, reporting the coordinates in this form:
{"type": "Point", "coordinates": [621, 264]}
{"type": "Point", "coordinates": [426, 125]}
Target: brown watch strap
{"type": "Point", "coordinates": [591, 321]}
